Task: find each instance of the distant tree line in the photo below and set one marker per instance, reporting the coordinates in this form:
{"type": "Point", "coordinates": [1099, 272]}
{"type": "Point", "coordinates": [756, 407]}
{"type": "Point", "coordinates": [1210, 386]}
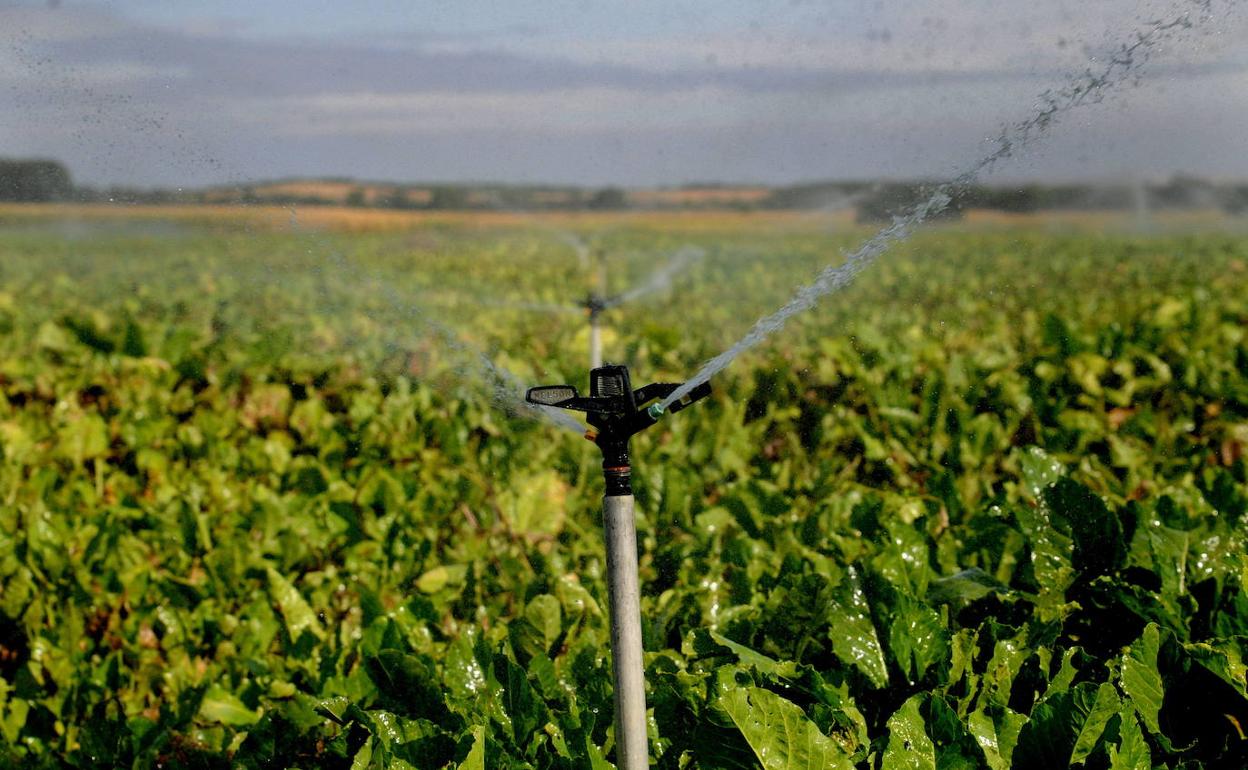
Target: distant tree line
{"type": "Point", "coordinates": [880, 201]}
{"type": "Point", "coordinates": [34, 181]}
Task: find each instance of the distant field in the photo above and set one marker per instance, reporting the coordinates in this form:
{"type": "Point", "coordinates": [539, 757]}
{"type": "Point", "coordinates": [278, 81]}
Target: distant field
{"type": "Point", "coordinates": [263, 502]}
{"type": "Point", "coordinates": [339, 192]}
{"type": "Point", "coordinates": [342, 218]}
{"type": "Point", "coordinates": [349, 219]}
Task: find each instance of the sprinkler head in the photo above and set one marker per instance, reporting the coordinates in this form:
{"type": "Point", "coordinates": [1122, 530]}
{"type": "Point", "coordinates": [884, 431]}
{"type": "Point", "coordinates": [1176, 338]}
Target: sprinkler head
{"type": "Point", "coordinates": [616, 411]}
{"type": "Point", "coordinates": [595, 304]}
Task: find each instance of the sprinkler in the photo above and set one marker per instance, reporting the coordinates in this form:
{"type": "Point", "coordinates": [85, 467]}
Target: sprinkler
{"type": "Point", "coordinates": [616, 411]}
{"type": "Point", "coordinates": [595, 305]}
{"type": "Point", "coordinates": [598, 301]}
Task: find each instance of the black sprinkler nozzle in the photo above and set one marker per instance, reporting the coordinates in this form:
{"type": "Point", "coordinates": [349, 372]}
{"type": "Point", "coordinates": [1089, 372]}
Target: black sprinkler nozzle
{"type": "Point", "coordinates": [596, 304]}
{"type": "Point", "coordinates": [617, 412]}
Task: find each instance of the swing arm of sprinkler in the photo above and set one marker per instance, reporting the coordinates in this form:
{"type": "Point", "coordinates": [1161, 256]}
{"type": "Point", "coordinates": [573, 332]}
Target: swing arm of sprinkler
{"type": "Point", "coordinates": [615, 411]}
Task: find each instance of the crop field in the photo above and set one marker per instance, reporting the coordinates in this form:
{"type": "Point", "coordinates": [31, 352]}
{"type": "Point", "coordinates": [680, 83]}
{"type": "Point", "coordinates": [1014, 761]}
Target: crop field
{"type": "Point", "coordinates": [268, 497]}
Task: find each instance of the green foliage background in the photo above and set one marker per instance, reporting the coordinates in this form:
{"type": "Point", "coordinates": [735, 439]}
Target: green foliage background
{"type": "Point", "coordinates": [984, 509]}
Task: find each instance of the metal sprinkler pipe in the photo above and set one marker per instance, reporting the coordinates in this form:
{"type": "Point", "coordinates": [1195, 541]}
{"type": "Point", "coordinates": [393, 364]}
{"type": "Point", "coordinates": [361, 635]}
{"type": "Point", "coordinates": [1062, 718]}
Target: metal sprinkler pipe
{"type": "Point", "coordinates": [595, 342]}
{"type": "Point", "coordinates": [624, 604]}
{"type": "Point", "coordinates": [613, 408]}
{"type": "Point", "coordinates": [595, 305]}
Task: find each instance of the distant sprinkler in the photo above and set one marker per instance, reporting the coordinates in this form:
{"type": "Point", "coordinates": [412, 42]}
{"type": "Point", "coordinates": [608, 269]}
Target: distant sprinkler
{"type": "Point", "coordinates": [617, 412]}
{"type": "Point", "coordinates": [598, 301]}
{"type": "Point", "coordinates": [595, 305]}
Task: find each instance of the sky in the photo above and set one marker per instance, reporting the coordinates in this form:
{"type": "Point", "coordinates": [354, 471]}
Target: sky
{"type": "Point", "coordinates": [589, 92]}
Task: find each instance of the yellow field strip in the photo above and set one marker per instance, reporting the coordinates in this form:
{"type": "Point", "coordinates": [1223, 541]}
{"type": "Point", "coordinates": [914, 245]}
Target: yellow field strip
{"type": "Point", "coordinates": [348, 219]}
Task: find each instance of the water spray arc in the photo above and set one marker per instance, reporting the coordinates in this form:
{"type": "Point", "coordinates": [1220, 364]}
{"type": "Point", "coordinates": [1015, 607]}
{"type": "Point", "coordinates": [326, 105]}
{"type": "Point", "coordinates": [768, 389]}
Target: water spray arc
{"type": "Point", "coordinates": [1090, 87]}
{"type": "Point", "coordinates": [470, 364]}
{"type": "Point", "coordinates": [616, 411]}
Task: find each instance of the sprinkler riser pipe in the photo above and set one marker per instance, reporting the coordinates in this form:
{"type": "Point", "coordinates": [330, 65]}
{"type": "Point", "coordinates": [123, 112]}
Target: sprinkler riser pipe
{"type": "Point", "coordinates": [628, 663]}
{"type": "Point", "coordinates": [595, 342]}
{"type": "Point", "coordinates": [613, 410]}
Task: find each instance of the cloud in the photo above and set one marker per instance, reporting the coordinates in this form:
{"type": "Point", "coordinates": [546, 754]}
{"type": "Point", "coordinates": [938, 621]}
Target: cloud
{"type": "Point", "coordinates": [39, 23]}
{"type": "Point", "coordinates": [914, 37]}
{"type": "Point", "coordinates": [582, 109]}
{"type": "Point", "coordinates": [898, 90]}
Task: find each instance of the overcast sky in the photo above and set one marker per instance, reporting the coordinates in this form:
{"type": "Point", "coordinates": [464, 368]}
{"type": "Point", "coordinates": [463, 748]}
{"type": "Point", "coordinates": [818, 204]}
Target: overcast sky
{"type": "Point", "coordinates": [153, 92]}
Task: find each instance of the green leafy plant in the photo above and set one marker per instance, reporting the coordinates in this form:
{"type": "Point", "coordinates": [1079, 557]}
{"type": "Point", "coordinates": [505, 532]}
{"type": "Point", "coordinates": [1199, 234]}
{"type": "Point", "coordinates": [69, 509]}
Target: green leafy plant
{"type": "Point", "coordinates": [986, 509]}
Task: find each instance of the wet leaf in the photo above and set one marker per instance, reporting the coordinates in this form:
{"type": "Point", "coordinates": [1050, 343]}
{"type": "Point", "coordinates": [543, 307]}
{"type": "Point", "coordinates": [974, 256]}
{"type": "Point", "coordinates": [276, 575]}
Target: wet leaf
{"type": "Point", "coordinates": [476, 755]}
{"type": "Point", "coordinates": [1105, 706]}
{"type": "Point", "coordinates": [909, 747]}
{"type": "Point", "coordinates": [780, 734]}
{"type": "Point", "coordinates": [295, 610]}
{"type": "Point", "coordinates": [1132, 752]}
{"type": "Point", "coordinates": [853, 634]}
{"type": "Point", "coordinates": [1225, 660]}
{"type": "Point", "coordinates": [1141, 679]}
{"type": "Point", "coordinates": [221, 706]}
